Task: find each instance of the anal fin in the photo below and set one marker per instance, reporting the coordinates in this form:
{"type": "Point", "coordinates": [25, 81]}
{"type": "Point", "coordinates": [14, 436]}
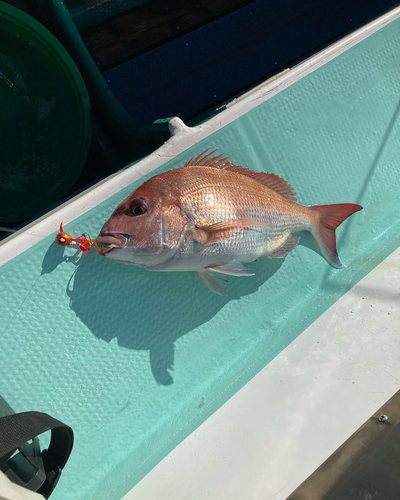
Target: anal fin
{"type": "Point", "coordinates": [286, 248]}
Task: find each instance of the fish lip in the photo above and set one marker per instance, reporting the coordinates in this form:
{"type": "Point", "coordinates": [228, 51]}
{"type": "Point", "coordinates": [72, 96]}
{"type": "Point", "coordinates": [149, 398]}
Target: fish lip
{"type": "Point", "coordinates": [110, 241]}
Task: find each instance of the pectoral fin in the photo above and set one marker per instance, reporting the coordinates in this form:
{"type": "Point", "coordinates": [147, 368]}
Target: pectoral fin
{"type": "Point", "coordinates": [221, 230]}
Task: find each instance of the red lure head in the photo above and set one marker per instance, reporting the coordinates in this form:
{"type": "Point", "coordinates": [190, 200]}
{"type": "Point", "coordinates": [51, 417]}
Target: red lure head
{"type": "Point", "coordinates": [82, 242]}
{"type": "Point", "coordinates": [62, 238]}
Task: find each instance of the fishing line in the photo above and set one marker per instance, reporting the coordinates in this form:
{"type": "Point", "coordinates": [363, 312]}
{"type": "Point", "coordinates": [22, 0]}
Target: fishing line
{"type": "Point", "coordinates": [20, 306]}
{"type": "Point", "coordinates": [82, 242]}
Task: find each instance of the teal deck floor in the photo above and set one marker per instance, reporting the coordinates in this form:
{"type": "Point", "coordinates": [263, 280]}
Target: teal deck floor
{"type": "Point", "coordinates": [134, 361]}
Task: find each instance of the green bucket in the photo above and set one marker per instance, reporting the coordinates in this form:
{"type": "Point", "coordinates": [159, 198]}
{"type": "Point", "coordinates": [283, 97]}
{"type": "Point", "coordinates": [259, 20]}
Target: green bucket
{"type": "Point", "coordinates": [45, 129]}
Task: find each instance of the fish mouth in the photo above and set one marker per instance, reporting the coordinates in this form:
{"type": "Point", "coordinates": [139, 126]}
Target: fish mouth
{"type": "Point", "coordinates": [108, 242]}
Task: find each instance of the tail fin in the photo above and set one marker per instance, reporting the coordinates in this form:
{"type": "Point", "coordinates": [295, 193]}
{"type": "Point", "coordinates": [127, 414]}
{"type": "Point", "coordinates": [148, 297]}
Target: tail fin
{"type": "Point", "coordinates": [329, 218]}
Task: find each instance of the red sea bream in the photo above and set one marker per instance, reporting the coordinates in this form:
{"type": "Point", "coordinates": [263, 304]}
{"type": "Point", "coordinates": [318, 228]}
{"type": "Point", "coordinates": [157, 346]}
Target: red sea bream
{"type": "Point", "coordinates": [211, 216]}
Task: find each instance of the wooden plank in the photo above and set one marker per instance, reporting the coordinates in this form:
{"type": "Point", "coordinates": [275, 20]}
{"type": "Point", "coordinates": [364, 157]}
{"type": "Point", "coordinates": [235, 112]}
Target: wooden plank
{"type": "Point", "coordinates": [149, 25]}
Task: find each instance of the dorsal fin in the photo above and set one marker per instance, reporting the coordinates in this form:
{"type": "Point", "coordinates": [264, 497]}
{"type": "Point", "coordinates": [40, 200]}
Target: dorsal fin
{"type": "Point", "coordinates": [273, 181]}
{"type": "Point", "coordinates": [205, 159]}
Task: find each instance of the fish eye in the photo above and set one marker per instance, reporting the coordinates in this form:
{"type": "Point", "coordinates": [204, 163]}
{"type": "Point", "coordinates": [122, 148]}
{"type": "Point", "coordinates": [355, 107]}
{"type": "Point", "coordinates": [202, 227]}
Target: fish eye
{"type": "Point", "coordinates": [138, 207]}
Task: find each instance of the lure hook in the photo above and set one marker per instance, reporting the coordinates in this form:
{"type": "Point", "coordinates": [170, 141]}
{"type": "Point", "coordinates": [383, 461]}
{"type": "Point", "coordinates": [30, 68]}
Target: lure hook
{"type": "Point", "coordinates": [84, 244]}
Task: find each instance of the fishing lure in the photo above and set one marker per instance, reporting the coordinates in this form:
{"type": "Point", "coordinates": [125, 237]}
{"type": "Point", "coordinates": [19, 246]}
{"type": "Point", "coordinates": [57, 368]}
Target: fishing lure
{"type": "Point", "coordinates": [84, 244]}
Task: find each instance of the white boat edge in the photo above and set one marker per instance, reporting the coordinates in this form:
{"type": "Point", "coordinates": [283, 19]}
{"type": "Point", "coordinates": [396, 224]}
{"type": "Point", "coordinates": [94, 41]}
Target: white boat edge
{"type": "Point", "coordinates": [182, 138]}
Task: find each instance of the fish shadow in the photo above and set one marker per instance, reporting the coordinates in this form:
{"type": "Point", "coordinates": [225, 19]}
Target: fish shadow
{"type": "Point", "coordinates": [147, 310]}
{"type": "Point", "coordinates": [308, 241]}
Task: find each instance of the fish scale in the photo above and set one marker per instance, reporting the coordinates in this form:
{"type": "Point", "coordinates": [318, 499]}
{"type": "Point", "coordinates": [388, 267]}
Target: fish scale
{"type": "Point", "coordinates": [210, 216]}
{"type": "Point", "coordinates": [235, 198]}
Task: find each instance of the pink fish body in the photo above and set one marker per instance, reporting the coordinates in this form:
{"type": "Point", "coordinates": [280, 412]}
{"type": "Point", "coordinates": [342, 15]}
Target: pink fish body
{"type": "Point", "coordinates": [210, 216]}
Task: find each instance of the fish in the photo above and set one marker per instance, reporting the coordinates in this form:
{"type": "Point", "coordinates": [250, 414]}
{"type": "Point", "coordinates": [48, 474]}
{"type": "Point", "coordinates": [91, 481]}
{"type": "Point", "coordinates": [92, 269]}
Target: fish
{"type": "Point", "coordinates": [211, 217]}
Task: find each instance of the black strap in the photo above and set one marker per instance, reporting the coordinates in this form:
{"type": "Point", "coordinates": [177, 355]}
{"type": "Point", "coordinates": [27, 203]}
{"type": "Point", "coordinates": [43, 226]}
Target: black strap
{"type": "Point", "coordinates": [17, 429]}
